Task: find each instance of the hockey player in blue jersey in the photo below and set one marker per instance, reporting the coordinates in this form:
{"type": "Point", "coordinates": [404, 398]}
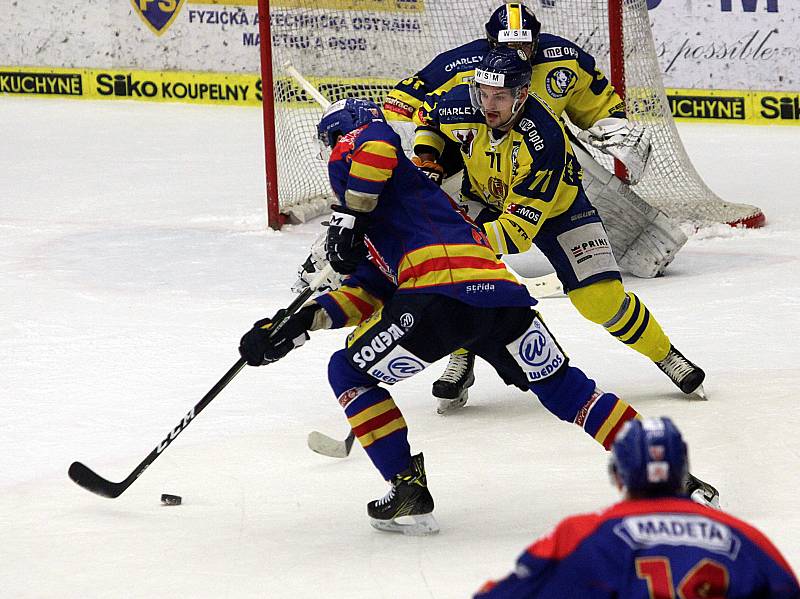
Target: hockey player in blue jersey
{"type": "Point", "coordinates": [655, 544]}
{"type": "Point", "coordinates": [422, 281]}
{"type": "Point", "coordinates": [567, 78]}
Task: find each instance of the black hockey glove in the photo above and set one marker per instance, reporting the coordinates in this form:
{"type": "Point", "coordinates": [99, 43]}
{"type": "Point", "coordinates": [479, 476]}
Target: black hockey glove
{"type": "Point", "coordinates": [344, 244]}
{"type": "Point", "coordinates": [260, 345]}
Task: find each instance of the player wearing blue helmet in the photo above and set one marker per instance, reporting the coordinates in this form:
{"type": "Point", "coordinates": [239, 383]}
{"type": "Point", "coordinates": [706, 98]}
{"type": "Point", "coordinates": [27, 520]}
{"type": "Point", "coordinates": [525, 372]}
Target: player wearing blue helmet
{"type": "Point", "coordinates": [655, 544]}
{"type": "Point", "coordinates": [649, 459]}
{"type": "Point", "coordinates": [644, 242]}
{"type": "Point", "coordinates": [422, 280]}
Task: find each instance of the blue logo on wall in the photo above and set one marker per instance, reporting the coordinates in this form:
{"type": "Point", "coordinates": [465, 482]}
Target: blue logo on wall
{"type": "Point", "coordinates": [749, 5]}
{"type": "Point", "coordinates": [158, 15]}
{"type": "Point", "coordinates": [651, 4]}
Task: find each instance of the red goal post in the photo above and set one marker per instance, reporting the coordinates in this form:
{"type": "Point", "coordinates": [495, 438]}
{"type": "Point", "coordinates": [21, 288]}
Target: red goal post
{"type": "Point", "coordinates": [363, 47]}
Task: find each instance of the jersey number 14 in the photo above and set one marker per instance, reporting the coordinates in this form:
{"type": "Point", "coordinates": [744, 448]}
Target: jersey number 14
{"type": "Point", "coordinates": [707, 580]}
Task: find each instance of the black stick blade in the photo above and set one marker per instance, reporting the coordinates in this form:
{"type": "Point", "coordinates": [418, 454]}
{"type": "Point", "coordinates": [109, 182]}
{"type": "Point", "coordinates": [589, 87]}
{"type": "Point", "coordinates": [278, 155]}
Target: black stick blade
{"type": "Point", "coordinates": [91, 481]}
{"type": "Point", "coordinates": [348, 443]}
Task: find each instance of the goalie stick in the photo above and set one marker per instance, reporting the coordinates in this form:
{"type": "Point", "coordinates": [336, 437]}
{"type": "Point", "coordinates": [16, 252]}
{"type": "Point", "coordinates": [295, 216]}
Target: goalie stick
{"type": "Point", "coordinates": [307, 85]}
{"type": "Point", "coordinates": [539, 287]}
{"type": "Point", "coordinates": [91, 481]}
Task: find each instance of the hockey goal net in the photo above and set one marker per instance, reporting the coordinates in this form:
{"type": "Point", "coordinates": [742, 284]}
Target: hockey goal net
{"type": "Point", "coordinates": [364, 47]}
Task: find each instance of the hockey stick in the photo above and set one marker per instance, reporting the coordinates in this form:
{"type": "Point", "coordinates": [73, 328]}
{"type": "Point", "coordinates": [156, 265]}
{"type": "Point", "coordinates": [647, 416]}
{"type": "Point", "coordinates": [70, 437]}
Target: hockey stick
{"type": "Point", "coordinates": [544, 286]}
{"type": "Point", "coordinates": [91, 481]}
{"type": "Point", "coordinates": [328, 446]}
{"type": "Point", "coordinates": [307, 85]}
{"type": "Point", "coordinates": [539, 287]}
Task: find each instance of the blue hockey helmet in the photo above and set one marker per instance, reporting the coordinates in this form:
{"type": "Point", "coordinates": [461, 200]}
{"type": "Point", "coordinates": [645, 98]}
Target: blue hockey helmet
{"type": "Point", "coordinates": [650, 457]}
{"type": "Point", "coordinates": [344, 116]}
{"type": "Point", "coordinates": [504, 67]}
{"type": "Point", "coordinates": [513, 23]}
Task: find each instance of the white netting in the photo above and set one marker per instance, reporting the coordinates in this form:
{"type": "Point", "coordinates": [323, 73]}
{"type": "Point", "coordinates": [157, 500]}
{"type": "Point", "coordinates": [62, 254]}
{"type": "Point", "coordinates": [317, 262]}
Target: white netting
{"type": "Point", "coordinates": [366, 52]}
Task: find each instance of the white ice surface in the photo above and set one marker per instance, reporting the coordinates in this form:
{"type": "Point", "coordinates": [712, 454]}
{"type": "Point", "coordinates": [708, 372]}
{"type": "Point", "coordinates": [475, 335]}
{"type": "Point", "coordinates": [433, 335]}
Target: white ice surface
{"type": "Point", "coordinates": [133, 255]}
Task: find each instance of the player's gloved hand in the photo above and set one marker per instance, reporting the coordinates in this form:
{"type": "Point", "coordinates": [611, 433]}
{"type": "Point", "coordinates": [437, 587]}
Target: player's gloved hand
{"type": "Point", "coordinates": [627, 142]}
{"type": "Point", "coordinates": [344, 244]}
{"type": "Point", "coordinates": [316, 261]}
{"type": "Point", "coordinates": [432, 170]}
{"type": "Point", "coordinates": [262, 345]}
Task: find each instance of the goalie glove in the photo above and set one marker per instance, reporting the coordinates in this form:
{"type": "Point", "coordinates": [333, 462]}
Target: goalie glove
{"type": "Point", "coordinates": [313, 264]}
{"type": "Point", "coordinates": [261, 345]}
{"type": "Point", "coordinates": [344, 244]}
{"type": "Point", "coordinates": [431, 169]}
{"type": "Point", "coordinates": [627, 142]}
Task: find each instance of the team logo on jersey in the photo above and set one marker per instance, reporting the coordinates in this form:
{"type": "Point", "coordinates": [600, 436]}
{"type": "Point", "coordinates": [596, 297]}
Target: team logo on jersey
{"type": "Point", "coordinates": [497, 188]}
{"type": "Point", "coordinates": [467, 138]}
{"type": "Point", "coordinates": [404, 367]}
{"type": "Point", "coordinates": [158, 15]}
{"type": "Point", "coordinates": [560, 82]}
{"type": "Point", "coordinates": [406, 320]}
{"type": "Point", "coordinates": [537, 352]}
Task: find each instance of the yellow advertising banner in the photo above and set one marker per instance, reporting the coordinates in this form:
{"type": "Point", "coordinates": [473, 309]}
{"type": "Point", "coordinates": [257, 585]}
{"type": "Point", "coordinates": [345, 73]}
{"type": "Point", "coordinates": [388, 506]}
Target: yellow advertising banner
{"type": "Point", "coordinates": [715, 106]}
{"type": "Point", "coordinates": [723, 106]}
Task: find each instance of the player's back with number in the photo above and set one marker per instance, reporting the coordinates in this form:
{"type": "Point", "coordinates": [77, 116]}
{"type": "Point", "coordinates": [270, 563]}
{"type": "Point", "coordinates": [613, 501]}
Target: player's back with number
{"type": "Point", "coordinates": [665, 548]}
{"type": "Point", "coordinates": [655, 544]}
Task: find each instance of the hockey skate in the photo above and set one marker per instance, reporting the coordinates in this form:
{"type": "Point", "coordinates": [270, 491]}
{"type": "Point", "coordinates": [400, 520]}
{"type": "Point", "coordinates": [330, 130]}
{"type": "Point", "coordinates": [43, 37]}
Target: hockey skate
{"type": "Point", "coordinates": [452, 387]}
{"type": "Point", "coordinates": [409, 499]}
{"type": "Point", "coordinates": [686, 375]}
{"type": "Point", "coordinates": [701, 492]}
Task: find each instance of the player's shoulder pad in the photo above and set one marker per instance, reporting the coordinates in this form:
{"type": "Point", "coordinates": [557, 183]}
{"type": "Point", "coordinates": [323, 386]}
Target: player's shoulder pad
{"type": "Point", "coordinates": [455, 106]}
{"type": "Point", "coordinates": [462, 58]}
{"type": "Point", "coordinates": [540, 127]}
{"type": "Point", "coordinates": [567, 536]}
{"type": "Point", "coordinates": [379, 131]}
{"type": "Point", "coordinates": [554, 48]}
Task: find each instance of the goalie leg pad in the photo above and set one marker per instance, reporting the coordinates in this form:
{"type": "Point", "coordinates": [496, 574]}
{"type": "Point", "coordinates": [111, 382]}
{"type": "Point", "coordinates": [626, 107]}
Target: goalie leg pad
{"type": "Point", "coordinates": [644, 239]}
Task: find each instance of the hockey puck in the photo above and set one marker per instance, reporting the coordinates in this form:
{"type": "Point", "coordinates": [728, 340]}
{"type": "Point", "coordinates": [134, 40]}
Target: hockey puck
{"type": "Point", "coordinates": [170, 499]}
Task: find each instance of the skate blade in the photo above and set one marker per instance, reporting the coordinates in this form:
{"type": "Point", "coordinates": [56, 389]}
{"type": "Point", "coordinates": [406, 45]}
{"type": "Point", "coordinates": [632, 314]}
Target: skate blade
{"type": "Point", "coordinates": [450, 405]}
{"type": "Point", "coordinates": [420, 525]}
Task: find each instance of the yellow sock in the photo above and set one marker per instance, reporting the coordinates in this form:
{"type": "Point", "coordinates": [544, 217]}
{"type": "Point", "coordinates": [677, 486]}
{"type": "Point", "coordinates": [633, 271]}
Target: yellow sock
{"type": "Point", "coordinates": [624, 316]}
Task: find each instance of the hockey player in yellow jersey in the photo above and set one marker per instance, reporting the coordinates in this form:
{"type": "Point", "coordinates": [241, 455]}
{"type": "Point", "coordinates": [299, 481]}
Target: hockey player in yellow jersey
{"type": "Point", "coordinates": [563, 74]}
{"type": "Point", "coordinates": [643, 238]}
{"type": "Point", "coordinates": [520, 169]}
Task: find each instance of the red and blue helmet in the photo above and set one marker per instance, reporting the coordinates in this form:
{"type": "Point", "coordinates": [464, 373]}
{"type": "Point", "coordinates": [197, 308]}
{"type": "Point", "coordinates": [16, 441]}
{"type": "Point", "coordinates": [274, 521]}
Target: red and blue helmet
{"type": "Point", "coordinates": [650, 458]}
{"type": "Point", "coordinates": [344, 116]}
{"type": "Point", "coordinates": [513, 23]}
